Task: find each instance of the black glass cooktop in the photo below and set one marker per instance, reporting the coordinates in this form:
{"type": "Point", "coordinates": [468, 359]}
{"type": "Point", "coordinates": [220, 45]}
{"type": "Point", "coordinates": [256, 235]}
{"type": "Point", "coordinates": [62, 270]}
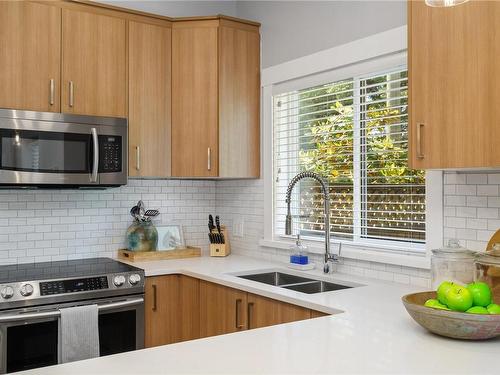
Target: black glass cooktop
{"type": "Point", "coordinates": [62, 269]}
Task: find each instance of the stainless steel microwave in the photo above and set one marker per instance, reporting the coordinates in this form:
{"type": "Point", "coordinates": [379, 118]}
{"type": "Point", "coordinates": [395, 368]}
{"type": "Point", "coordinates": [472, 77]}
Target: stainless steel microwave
{"type": "Point", "coordinates": [45, 149]}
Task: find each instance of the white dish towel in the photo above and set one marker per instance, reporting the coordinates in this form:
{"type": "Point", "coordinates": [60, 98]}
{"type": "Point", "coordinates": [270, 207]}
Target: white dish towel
{"type": "Point", "coordinates": [79, 333]}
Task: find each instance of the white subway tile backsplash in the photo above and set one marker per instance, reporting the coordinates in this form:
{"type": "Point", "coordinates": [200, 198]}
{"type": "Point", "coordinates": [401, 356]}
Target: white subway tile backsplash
{"type": "Point", "coordinates": [455, 200]}
{"type": "Point", "coordinates": [466, 211]}
{"type": "Point", "coordinates": [481, 212]}
{"type": "Point", "coordinates": [487, 213]}
{"type": "Point", "coordinates": [454, 178]}
{"type": "Point", "coordinates": [69, 224]}
{"type": "Point", "coordinates": [466, 190]}
{"type": "Point", "coordinates": [476, 179]}
{"type": "Point", "coordinates": [493, 201]}
{"type": "Point", "coordinates": [488, 190]}
{"type": "Point", "coordinates": [455, 222]}
{"type": "Point", "coordinates": [494, 179]}
{"type": "Point", "coordinates": [476, 201]}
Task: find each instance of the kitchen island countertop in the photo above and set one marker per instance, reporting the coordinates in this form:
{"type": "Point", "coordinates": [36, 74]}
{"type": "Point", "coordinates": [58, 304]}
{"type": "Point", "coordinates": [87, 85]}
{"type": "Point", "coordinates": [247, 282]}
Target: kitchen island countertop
{"type": "Point", "coordinates": [369, 332]}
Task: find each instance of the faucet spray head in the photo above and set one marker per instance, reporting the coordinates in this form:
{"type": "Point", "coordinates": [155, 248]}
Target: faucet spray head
{"type": "Point", "coordinates": [288, 225]}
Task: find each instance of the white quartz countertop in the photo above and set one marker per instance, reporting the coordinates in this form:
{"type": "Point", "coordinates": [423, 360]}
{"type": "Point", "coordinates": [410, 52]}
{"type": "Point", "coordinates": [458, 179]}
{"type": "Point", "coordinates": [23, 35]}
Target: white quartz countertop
{"type": "Point", "coordinates": [370, 332]}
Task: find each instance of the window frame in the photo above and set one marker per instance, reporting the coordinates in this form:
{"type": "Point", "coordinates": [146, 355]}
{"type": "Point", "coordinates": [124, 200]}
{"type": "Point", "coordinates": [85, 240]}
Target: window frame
{"type": "Point", "coordinates": [357, 236]}
{"type": "Point", "coordinates": [361, 57]}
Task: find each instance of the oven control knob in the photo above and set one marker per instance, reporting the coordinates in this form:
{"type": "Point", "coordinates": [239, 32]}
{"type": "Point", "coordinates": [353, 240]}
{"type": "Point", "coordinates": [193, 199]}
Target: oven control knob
{"type": "Point", "coordinates": [119, 280]}
{"type": "Point", "coordinates": [134, 279]}
{"type": "Point", "coordinates": [26, 290]}
{"type": "Point", "coordinates": [7, 292]}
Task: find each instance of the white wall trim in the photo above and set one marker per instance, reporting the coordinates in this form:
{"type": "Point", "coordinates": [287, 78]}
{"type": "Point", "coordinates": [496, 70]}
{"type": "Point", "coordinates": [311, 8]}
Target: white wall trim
{"type": "Point", "coordinates": [387, 42]}
{"type": "Point", "coordinates": [359, 252]}
{"type": "Point", "coordinates": [267, 160]}
{"type": "Point", "coordinates": [434, 222]}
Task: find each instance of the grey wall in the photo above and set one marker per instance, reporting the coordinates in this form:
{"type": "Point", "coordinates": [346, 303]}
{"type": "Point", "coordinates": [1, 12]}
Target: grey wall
{"type": "Point", "coordinates": [291, 29]}
{"type": "Point", "coordinates": [178, 8]}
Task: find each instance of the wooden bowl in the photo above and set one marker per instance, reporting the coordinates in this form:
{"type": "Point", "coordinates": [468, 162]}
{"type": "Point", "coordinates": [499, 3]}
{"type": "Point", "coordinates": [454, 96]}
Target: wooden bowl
{"type": "Point", "coordinates": [452, 324]}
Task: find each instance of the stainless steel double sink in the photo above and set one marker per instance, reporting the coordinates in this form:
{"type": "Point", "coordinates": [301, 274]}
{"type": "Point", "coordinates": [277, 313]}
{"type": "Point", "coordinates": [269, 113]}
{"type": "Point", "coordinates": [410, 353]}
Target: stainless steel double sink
{"type": "Point", "coordinates": [294, 282]}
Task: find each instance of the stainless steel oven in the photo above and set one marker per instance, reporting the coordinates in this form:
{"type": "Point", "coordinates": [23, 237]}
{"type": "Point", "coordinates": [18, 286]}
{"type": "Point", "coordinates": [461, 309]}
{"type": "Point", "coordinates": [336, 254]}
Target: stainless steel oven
{"type": "Point", "coordinates": [32, 296]}
{"type": "Point", "coordinates": [29, 337]}
{"type": "Point", "coordinates": [44, 149]}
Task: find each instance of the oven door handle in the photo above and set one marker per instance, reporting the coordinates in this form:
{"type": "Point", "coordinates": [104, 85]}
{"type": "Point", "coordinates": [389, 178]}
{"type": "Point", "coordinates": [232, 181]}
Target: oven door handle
{"type": "Point", "coordinates": [56, 313]}
{"type": "Point", "coordinates": [95, 166]}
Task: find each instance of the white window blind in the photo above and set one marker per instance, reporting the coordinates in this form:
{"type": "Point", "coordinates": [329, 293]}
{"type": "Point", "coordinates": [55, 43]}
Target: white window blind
{"type": "Point", "coordinates": [354, 133]}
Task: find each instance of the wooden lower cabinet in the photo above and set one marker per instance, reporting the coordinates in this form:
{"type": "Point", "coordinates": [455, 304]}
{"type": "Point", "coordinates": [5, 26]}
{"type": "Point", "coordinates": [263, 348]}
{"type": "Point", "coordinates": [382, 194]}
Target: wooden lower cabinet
{"type": "Point", "coordinates": [180, 308]}
{"type": "Point", "coordinates": [317, 314]}
{"type": "Point", "coordinates": [222, 310]}
{"type": "Point", "coordinates": [263, 312]}
{"type": "Point", "coordinates": [171, 309]}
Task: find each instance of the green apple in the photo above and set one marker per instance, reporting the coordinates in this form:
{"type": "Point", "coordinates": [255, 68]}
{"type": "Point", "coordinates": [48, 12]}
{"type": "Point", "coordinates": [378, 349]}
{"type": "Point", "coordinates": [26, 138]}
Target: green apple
{"type": "Point", "coordinates": [458, 298]}
{"type": "Point", "coordinates": [443, 289]}
{"type": "Point", "coordinates": [477, 310]}
{"type": "Point", "coordinates": [435, 304]}
{"type": "Point", "coordinates": [481, 293]}
{"type": "Point", "coordinates": [493, 308]}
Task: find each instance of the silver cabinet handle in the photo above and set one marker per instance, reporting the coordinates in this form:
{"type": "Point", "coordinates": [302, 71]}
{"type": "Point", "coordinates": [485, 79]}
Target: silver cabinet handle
{"type": "Point", "coordinates": [209, 156]}
{"type": "Point", "coordinates": [71, 93]}
{"type": "Point", "coordinates": [55, 313]}
{"type": "Point", "coordinates": [95, 166]}
{"type": "Point", "coordinates": [137, 158]}
{"type": "Point", "coordinates": [52, 89]}
{"type": "Point", "coordinates": [420, 153]}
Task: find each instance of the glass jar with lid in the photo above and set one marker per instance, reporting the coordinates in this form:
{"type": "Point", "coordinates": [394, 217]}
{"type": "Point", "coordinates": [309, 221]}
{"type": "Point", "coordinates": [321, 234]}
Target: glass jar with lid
{"type": "Point", "coordinates": [487, 269]}
{"type": "Point", "coordinates": [452, 263]}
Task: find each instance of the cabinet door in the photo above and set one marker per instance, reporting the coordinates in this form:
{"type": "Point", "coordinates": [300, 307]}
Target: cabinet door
{"type": "Point", "coordinates": [222, 309]}
{"type": "Point", "coordinates": [263, 312]}
{"type": "Point", "coordinates": [194, 99]}
{"type": "Point", "coordinates": [149, 100]}
{"type": "Point", "coordinates": [239, 98]}
{"type": "Point", "coordinates": [30, 52]}
{"type": "Point", "coordinates": [189, 308]}
{"type": "Point", "coordinates": [454, 80]}
{"type": "Point", "coordinates": [172, 309]}
{"type": "Point", "coordinates": [94, 78]}
{"type": "Point", "coordinates": [161, 294]}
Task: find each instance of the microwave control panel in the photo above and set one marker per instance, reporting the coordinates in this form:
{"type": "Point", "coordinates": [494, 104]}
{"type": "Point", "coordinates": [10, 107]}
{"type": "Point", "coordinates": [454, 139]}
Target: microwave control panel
{"type": "Point", "coordinates": [110, 154]}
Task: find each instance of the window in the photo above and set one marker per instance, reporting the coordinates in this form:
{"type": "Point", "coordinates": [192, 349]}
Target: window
{"type": "Point", "coordinates": [354, 133]}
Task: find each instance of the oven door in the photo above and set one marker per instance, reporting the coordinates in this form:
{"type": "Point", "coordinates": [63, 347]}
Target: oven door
{"type": "Point", "coordinates": [29, 337]}
{"type": "Point", "coordinates": [39, 148]}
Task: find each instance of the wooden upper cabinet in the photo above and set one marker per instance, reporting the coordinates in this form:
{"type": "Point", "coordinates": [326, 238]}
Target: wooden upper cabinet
{"type": "Point", "coordinates": [263, 312]}
{"type": "Point", "coordinates": [194, 99]}
{"type": "Point", "coordinates": [454, 80]}
{"type": "Point", "coordinates": [215, 99]}
{"type": "Point", "coordinates": [239, 100]}
{"type": "Point", "coordinates": [222, 309]}
{"type": "Point", "coordinates": [94, 61]}
{"type": "Point", "coordinates": [30, 49]}
{"type": "Point", "coordinates": [149, 57]}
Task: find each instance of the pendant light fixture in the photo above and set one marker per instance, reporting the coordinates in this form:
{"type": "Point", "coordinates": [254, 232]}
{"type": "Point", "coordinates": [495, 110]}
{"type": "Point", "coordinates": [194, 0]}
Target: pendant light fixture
{"type": "Point", "coordinates": [444, 3]}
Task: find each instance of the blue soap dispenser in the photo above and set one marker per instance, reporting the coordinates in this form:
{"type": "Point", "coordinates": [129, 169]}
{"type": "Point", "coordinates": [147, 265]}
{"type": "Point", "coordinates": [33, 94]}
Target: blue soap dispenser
{"type": "Point", "coordinates": [299, 253]}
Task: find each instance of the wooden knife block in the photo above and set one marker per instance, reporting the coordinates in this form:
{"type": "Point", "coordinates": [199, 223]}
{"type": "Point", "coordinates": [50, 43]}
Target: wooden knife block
{"type": "Point", "coordinates": [221, 249]}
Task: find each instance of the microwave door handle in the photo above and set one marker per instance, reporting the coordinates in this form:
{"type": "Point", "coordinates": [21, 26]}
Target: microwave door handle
{"type": "Point", "coordinates": [95, 165]}
{"type": "Point", "coordinates": [56, 313]}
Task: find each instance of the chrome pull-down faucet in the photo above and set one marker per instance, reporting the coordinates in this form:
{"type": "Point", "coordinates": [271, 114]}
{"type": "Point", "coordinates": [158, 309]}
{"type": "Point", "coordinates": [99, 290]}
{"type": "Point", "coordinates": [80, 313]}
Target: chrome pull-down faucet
{"type": "Point", "coordinates": [329, 257]}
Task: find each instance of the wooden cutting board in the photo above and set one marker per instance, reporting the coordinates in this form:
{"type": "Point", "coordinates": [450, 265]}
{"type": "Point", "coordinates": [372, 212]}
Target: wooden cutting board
{"type": "Point", "coordinates": [141, 256]}
{"type": "Point", "coordinates": [493, 240]}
